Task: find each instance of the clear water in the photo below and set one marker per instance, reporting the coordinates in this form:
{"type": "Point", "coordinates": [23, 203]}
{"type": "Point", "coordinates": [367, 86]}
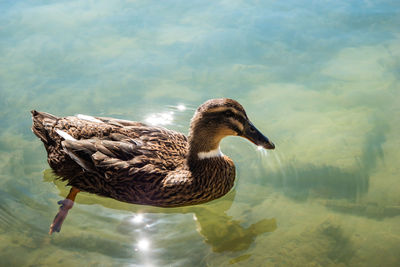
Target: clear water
{"type": "Point", "coordinates": [320, 78]}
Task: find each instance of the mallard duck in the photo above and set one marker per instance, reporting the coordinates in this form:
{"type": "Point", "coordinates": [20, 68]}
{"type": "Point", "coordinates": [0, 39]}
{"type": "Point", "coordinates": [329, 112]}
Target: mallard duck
{"type": "Point", "coordinates": [141, 164]}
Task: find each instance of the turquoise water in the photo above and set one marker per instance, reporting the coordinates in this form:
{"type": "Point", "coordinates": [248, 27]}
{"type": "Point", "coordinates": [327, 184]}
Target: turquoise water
{"type": "Point", "coordinates": [321, 79]}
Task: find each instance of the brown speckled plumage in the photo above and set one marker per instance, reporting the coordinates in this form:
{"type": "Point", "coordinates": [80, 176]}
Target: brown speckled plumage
{"type": "Point", "coordinates": [141, 164]}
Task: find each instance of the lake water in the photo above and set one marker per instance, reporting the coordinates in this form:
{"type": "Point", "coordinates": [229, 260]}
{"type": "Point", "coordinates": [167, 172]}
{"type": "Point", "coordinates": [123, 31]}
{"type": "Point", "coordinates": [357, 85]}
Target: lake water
{"type": "Point", "coordinates": [321, 79]}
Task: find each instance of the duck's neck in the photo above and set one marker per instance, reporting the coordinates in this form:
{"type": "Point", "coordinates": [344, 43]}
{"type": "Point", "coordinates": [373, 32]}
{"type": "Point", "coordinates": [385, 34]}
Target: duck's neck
{"type": "Point", "coordinates": [211, 171]}
{"type": "Point", "coordinates": [210, 154]}
{"type": "Point", "coordinates": [204, 144]}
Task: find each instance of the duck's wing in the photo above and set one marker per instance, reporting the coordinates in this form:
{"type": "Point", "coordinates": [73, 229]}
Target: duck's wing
{"type": "Point", "coordinates": [122, 157]}
{"type": "Point", "coordinates": [118, 122]}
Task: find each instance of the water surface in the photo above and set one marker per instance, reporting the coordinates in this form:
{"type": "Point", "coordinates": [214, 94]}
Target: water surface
{"type": "Point", "coordinates": [320, 79]}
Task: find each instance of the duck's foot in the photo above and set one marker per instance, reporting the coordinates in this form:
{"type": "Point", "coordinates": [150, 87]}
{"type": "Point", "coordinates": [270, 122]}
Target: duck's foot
{"type": "Point", "coordinates": [66, 205]}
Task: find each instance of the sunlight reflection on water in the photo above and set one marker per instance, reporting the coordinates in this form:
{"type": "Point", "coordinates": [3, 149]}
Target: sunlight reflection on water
{"type": "Point", "coordinates": [159, 119]}
{"type": "Point", "coordinates": [143, 245]}
{"type": "Point", "coordinates": [164, 118]}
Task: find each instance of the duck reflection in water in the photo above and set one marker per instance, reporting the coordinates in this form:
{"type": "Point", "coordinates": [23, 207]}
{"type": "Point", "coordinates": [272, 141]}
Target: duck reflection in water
{"type": "Point", "coordinates": [222, 232]}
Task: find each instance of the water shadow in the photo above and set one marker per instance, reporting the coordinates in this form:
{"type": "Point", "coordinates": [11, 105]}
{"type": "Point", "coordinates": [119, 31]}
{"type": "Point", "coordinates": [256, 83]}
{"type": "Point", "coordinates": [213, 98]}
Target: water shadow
{"type": "Point", "coordinates": [303, 182]}
{"type": "Point", "coordinates": [310, 180]}
{"type": "Point", "coordinates": [337, 188]}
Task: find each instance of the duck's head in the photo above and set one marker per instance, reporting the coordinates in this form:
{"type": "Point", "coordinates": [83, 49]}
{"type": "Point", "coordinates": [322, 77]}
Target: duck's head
{"type": "Point", "coordinates": [217, 118]}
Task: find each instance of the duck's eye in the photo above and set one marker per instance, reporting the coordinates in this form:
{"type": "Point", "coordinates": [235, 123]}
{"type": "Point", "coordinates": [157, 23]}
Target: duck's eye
{"type": "Point", "coordinates": [229, 113]}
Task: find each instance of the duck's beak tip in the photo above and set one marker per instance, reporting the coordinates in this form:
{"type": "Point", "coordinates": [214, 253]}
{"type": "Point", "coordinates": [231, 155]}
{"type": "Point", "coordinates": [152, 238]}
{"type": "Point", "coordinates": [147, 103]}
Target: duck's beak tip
{"type": "Point", "coordinates": [255, 136]}
{"type": "Point", "coordinates": [270, 145]}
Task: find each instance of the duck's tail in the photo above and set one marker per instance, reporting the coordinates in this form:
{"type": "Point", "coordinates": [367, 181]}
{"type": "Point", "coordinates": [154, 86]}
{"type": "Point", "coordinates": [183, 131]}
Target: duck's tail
{"type": "Point", "coordinates": [43, 123]}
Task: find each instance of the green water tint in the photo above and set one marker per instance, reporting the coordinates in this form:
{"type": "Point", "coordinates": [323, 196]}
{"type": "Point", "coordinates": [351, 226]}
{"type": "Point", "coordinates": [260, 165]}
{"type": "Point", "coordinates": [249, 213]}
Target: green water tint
{"type": "Point", "coordinates": [320, 79]}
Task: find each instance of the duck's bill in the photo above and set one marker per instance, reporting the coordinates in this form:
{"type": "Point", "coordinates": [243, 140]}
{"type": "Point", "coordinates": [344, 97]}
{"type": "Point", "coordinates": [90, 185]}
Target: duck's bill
{"type": "Point", "coordinates": [256, 137]}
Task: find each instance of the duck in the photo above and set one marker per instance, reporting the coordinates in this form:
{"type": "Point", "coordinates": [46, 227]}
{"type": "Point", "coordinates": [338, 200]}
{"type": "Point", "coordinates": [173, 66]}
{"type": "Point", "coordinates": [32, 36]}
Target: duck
{"type": "Point", "coordinates": [142, 164]}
